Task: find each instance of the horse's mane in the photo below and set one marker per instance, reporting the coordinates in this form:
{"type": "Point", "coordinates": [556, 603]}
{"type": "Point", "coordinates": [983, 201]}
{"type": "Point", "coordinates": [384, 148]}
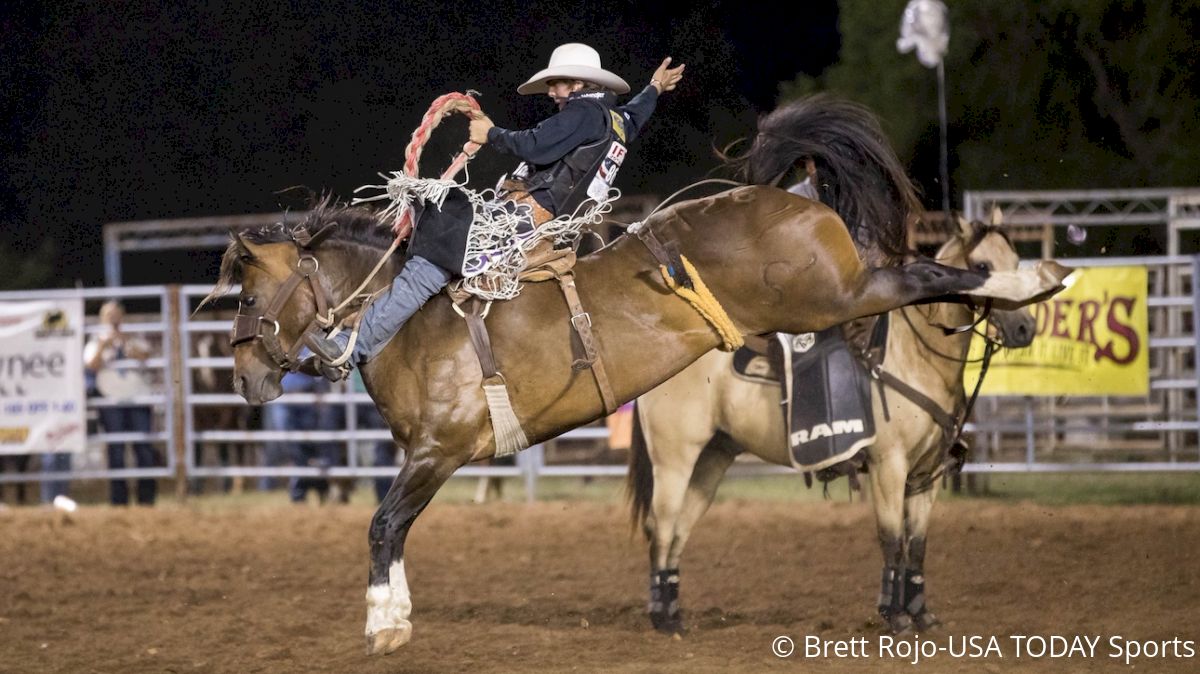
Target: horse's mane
{"type": "Point", "coordinates": [356, 226]}
{"type": "Point", "coordinates": [979, 231]}
{"type": "Point", "coordinates": [858, 173]}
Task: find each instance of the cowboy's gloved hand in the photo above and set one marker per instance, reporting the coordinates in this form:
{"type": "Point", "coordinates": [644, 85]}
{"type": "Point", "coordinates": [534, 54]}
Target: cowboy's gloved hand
{"type": "Point", "coordinates": [479, 130]}
{"type": "Point", "coordinates": [665, 79]}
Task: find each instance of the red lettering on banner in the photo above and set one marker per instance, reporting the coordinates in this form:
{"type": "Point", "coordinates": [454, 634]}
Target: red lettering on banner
{"type": "Point", "coordinates": [1058, 325]}
{"type": "Point", "coordinates": [1123, 329]}
{"type": "Point", "coordinates": [1055, 319]}
{"type": "Point", "coordinates": [1088, 311]}
{"type": "Point", "coordinates": [1041, 318]}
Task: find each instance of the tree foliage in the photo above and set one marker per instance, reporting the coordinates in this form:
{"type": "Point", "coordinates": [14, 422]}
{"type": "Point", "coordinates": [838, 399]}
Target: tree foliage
{"type": "Point", "coordinates": [1041, 93]}
{"type": "Point", "coordinates": [29, 266]}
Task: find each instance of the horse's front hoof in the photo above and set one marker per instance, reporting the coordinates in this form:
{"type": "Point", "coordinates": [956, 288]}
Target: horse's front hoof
{"type": "Point", "coordinates": [925, 620]}
{"type": "Point", "coordinates": [1053, 272]}
{"type": "Point", "coordinates": [900, 623]}
{"type": "Point", "coordinates": [670, 625]}
{"type": "Point", "coordinates": [386, 641]}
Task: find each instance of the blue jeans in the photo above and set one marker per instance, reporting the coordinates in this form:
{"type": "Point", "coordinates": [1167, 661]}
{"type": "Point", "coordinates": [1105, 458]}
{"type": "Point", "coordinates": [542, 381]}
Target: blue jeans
{"type": "Point", "coordinates": [128, 420]}
{"type": "Point", "coordinates": [55, 462]}
{"type": "Point", "coordinates": [418, 281]}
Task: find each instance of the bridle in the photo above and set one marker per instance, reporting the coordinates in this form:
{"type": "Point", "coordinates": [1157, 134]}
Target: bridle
{"type": "Point", "coordinates": [951, 422]}
{"type": "Point", "coordinates": [981, 316]}
{"type": "Point", "coordinates": [250, 328]}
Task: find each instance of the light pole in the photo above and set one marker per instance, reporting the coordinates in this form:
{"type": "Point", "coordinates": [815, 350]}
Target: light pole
{"type": "Point", "coordinates": [925, 28]}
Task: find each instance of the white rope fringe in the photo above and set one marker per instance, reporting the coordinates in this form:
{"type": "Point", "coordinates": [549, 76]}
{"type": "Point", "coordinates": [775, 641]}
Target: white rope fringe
{"type": "Point", "coordinates": [497, 250]}
{"type": "Point", "coordinates": [510, 438]}
{"type": "Point", "coordinates": [403, 190]}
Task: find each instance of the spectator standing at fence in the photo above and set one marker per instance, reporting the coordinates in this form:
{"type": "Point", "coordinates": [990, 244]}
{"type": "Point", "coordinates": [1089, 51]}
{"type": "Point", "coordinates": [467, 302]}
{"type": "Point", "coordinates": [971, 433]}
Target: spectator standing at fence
{"type": "Point", "coordinates": [56, 462]}
{"type": "Point", "coordinates": [318, 416]}
{"type": "Point", "coordinates": [17, 492]}
{"type": "Point", "coordinates": [100, 353]}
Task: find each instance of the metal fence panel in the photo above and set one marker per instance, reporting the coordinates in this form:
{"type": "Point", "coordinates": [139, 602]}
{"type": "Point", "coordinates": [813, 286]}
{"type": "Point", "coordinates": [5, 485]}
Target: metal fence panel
{"type": "Point", "coordinates": [1016, 434]}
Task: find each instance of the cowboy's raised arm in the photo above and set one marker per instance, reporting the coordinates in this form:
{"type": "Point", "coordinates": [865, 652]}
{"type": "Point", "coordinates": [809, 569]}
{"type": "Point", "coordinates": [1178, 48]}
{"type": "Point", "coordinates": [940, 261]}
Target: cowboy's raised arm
{"type": "Point", "coordinates": [547, 142]}
{"type": "Point", "coordinates": [639, 108]}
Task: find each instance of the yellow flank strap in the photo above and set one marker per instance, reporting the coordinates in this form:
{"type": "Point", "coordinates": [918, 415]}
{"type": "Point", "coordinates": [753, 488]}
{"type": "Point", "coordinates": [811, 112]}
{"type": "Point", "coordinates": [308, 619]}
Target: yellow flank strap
{"type": "Point", "coordinates": [700, 297]}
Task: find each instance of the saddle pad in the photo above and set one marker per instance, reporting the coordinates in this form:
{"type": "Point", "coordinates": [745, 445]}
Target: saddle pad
{"type": "Point", "coordinates": [755, 367]}
{"type": "Point", "coordinates": [827, 399]}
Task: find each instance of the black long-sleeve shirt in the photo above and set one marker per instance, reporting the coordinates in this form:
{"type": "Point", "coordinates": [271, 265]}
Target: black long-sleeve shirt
{"type": "Point", "coordinates": [578, 123]}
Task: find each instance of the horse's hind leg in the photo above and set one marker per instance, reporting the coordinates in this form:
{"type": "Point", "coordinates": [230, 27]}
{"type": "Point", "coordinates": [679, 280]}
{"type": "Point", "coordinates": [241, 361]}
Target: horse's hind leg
{"type": "Point", "coordinates": [707, 474]}
{"type": "Point", "coordinates": [715, 459]}
{"type": "Point", "coordinates": [672, 474]}
{"type": "Point", "coordinates": [389, 603]}
{"type": "Point", "coordinates": [887, 288]}
{"type": "Point", "coordinates": [887, 475]}
{"type": "Point", "coordinates": [917, 509]}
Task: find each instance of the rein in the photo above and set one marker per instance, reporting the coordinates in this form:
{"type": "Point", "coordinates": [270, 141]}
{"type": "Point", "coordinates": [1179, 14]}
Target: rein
{"type": "Point", "coordinates": [441, 107]}
{"type": "Point", "coordinates": [663, 204]}
{"type": "Point", "coordinates": [250, 328]}
{"type": "Point", "coordinates": [953, 331]}
{"type": "Point", "coordinates": [951, 423]}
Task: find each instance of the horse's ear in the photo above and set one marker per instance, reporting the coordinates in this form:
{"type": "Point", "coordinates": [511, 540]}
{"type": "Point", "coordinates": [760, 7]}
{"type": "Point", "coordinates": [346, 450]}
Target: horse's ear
{"type": "Point", "coordinates": [965, 229]}
{"type": "Point", "coordinates": [242, 246]}
{"type": "Point", "coordinates": [997, 216]}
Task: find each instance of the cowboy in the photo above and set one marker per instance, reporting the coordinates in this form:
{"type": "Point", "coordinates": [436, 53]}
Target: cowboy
{"type": "Point", "coordinates": [566, 159]}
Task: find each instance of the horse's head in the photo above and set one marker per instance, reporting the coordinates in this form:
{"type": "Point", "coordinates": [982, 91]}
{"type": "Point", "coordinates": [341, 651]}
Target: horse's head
{"type": "Point", "coordinates": [985, 247]}
{"type": "Point", "coordinates": [275, 307]}
{"type": "Point", "coordinates": [288, 285]}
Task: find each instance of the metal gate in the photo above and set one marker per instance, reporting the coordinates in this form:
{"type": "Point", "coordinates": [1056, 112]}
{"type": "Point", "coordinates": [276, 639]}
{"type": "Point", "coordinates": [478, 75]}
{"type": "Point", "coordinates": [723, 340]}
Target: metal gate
{"type": "Point", "coordinates": [1156, 433]}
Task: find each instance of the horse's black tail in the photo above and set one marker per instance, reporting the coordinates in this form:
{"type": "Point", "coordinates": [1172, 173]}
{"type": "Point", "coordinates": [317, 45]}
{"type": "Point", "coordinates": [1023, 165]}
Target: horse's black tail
{"type": "Point", "coordinates": [857, 172]}
{"type": "Point", "coordinates": [639, 480]}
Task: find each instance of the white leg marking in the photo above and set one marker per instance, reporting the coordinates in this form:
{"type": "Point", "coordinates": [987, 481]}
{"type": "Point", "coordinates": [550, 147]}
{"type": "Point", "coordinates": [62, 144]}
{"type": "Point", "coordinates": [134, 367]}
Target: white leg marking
{"type": "Point", "coordinates": [388, 606]}
{"type": "Point", "coordinates": [1017, 286]}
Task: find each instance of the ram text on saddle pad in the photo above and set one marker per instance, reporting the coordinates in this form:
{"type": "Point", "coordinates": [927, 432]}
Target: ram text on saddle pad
{"type": "Point", "coordinates": [827, 399]}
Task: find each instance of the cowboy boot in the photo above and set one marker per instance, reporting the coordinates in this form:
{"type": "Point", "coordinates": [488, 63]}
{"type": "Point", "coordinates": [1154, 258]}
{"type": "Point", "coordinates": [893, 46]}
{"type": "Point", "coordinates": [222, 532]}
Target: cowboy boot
{"type": "Point", "coordinates": [326, 350]}
{"type": "Point", "coordinates": [418, 281]}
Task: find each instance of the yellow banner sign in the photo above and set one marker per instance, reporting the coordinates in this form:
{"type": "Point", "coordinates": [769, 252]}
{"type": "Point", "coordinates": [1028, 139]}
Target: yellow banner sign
{"type": "Point", "coordinates": [1092, 339]}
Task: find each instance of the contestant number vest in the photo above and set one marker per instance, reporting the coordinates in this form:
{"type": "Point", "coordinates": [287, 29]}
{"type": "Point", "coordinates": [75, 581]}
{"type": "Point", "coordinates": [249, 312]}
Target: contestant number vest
{"type": "Point", "coordinates": [587, 172]}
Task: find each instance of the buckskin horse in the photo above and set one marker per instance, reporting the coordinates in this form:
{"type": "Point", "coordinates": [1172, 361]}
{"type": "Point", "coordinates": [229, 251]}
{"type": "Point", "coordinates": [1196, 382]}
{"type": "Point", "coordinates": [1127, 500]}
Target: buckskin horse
{"type": "Point", "coordinates": [772, 260]}
{"type": "Point", "coordinates": [689, 430]}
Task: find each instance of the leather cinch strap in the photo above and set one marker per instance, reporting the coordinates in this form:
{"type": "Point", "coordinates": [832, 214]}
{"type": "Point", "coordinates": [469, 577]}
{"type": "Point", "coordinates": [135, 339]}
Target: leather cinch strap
{"type": "Point", "coordinates": [581, 321]}
{"type": "Point", "coordinates": [479, 339]}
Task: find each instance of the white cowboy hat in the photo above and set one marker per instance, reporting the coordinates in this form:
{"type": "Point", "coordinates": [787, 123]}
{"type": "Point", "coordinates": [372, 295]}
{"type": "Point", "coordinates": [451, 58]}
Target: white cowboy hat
{"type": "Point", "coordinates": [574, 61]}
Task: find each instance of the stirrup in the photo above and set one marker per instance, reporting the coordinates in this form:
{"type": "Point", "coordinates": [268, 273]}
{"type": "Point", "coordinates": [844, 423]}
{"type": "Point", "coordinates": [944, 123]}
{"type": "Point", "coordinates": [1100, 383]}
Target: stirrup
{"type": "Point", "coordinates": [313, 366]}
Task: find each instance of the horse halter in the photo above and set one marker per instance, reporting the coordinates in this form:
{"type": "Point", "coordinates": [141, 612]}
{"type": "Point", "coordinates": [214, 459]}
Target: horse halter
{"type": "Point", "coordinates": [982, 315]}
{"type": "Point", "coordinates": [249, 328]}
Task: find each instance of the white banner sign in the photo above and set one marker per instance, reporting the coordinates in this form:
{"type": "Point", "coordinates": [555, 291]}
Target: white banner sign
{"type": "Point", "coordinates": [41, 377]}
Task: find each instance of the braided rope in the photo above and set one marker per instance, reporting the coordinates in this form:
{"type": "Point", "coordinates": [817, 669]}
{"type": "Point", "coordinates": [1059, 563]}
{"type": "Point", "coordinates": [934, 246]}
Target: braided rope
{"type": "Point", "coordinates": [442, 107]}
{"type": "Point", "coordinates": [707, 304]}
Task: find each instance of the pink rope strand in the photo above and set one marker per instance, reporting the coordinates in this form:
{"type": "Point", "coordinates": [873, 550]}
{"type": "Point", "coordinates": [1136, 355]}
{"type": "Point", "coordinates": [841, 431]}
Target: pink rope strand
{"type": "Point", "coordinates": [441, 107]}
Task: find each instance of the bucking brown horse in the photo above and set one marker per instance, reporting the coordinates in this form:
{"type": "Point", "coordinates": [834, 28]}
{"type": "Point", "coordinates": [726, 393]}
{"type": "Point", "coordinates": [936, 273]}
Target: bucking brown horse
{"type": "Point", "coordinates": [772, 260]}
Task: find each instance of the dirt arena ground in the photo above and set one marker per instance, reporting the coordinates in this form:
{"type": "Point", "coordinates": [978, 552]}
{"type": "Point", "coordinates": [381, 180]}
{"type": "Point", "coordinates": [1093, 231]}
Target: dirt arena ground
{"type": "Point", "coordinates": [560, 586]}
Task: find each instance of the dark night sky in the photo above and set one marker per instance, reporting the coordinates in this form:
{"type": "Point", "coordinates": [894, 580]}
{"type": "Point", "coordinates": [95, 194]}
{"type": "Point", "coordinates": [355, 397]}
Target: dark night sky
{"type": "Point", "coordinates": [213, 108]}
